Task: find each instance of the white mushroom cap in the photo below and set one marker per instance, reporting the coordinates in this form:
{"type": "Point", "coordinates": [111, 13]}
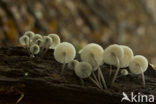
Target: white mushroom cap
{"type": "Point", "coordinates": [127, 56]}
{"type": "Point", "coordinates": [30, 34]}
{"type": "Point", "coordinates": [39, 42]}
{"type": "Point", "coordinates": [56, 40]}
{"type": "Point", "coordinates": [124, 72]}
{"type": "Point", "coordinates": [93, 54]}
{"type": "Point", "coordinates": [110, 52]}
{"type": "Point", "coordinates": [83, 70]}
{"type": "Point", "coordinates": [34, 49]}
{"type": "Point", "coordinates": [47, 41]}
{"type": "Point", "coordinates": [138, 64]}
{"type": "Point", "coordinates": [64, 50]}
{"type": "Point", "coordinates": [72, 64]}
{"type": "Point", "coordinates": [36, 37]}
{"type": "Point", "coordinates": [24, 40]}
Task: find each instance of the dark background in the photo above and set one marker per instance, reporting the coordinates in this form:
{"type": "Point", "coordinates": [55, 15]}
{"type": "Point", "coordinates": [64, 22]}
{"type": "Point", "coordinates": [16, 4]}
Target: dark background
{"type": "Point", "coordinates": [128, 22]}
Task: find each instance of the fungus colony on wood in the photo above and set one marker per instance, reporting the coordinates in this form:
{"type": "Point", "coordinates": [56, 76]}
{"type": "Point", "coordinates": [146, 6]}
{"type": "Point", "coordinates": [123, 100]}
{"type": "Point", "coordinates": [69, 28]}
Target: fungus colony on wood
{"type": "Point", "coordinates": [93, 56]}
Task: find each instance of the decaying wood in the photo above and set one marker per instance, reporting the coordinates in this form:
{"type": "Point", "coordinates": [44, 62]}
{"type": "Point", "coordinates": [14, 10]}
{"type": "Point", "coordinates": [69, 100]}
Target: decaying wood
{"type": "Point", "coordinates": [40, 82]}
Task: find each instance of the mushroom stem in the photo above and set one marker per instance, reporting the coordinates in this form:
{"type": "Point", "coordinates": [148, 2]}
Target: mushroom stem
{"type": "Point", "coordinates": [99, 77]}
{"type": "Point", "coordinates": [41, 51]}
{"type": "Point", "coordinates": [102, 77]}
{"type": "Point", "coordinates": [82, 82]}
{"type": "Point", "coordinates": [117, 71]}
{"type": "Point", "coordinates": [110, 71]}
{"type": "Point", "coordinates": [94, 76]}
{"type": "Point", "coordinates": [44, 52]}
{"type": "Point", "coordinates": [95, 82]}
{"type": "Point", "coordinates": [64, 63]}
{"type": "Point", "coordinates": [143, 77]}
{"type": "Point", "coordinates": [27, 48]}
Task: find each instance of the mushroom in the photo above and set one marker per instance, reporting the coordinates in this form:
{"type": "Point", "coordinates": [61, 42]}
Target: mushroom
{"type": "Point", "coordinates": [39, 42]}
{"type": "Point", "coordinates": [56, 40]}
{"type": "Point", "coordinates": [112, 55]}
{"type": "Point", "coordinates": [84, 70]}
{"type": "Point", "coordinates": [72, 64]}
{"type": "Point", "coordinates": [124, 72]}
{"type": "Point", "coordinates": [24, 40]}
{"type": "Point", "coordinates": [46, 43]}
{"type": "Point", "coordinates": [127, 56]}
{"type": "Point", "coordinates": [36, 37]}
{"type": "Point", "coordinates": [138, 65]}
{"type": "Point", "coordinates": [30, 34]}
{"type": "Point", "coordinates": [93, 54]}
{"type": "Point", "coordinates": [64, 53]}
{"type": "Point", "coordinates": [34, 49]}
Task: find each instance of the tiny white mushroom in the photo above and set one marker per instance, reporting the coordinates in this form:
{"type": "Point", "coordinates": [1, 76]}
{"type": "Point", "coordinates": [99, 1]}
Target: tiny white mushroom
{"type": "Point", "coordinates": [93, 54]}
{"type": "Point", "coordinates": [72, 64]}
{"type": "Point", "coordinates": [47, 41]}
{"type": "Point", "coordinates": [127, 56]}
{"type": "Point", "coordinates": [39, 42]}
{"type": "Point", "coordinates": [34, 49]}
{"type": "Point", "coordinates": [138, 65]}
{"type": "Point", "coordinates": [112, 55]}
{"type": "Point", "coordinates": [84, 70]}
{"type": "Point", "coordinates": [24, 40]}
{"type": "Point", "coordinates": [30, 34]}
{"type": "Point", "coordinates": [124, 72]}
{"type": "Point", "coordinates": [56, 40]}
{"type": "Point", "coordinates": [64, 53]}
{"type": "Point", "coordinates": [36, 37]}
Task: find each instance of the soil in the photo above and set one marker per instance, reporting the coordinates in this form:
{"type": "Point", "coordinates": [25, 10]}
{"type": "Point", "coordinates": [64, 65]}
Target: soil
{"type": "Point", "coordinates": [40, 81]}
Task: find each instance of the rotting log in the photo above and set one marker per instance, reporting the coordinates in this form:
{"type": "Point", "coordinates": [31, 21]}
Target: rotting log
{"type": "Point", "coordinates": [40, 82]}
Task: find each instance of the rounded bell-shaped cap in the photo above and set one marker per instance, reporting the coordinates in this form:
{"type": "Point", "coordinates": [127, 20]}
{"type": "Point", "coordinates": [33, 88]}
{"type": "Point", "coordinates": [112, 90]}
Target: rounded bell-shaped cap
{"type": "Point", "coordinates": [138, 64]}
{"type": "Point", "coordinates": [47, 41]}
{"type": "Point", "coordinates": [30, 34]}
{"type": "Point", "coordinates": [24, 40]}
{"type": "Point", "coordinates": [56, 40]}
{"type": "Point", "coordinates": [124, 72]}
{"type": "Point", "coordinates": [64, 52]}
{"type": "Point", "coordinates": [83, 69]}
{"type": "Point", "coordinates": [93, 54]}
{"type": "Point", "coordinates": [34, 49]}
{"type": "Point", "coordinates": [127, 56]}
{"type": "Point", "coordinates": [72, 64]}
{"type": "Point", "coordinates": [111, 52]}
{"type": "Point", "coordinates": [36, 37]}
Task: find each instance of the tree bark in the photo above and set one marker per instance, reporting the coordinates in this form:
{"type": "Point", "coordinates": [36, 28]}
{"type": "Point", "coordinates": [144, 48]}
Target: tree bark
{"type": "Point", "coordinates": [41, 83]}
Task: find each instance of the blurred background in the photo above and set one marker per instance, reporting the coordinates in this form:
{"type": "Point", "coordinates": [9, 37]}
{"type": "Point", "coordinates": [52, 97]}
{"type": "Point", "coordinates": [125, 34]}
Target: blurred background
{"type": "Point", "coordinates": [128, 22]}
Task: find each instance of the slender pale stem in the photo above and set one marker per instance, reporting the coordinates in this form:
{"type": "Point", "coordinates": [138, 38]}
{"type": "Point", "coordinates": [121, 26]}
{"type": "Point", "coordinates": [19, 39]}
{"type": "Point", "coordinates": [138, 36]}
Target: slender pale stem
{"type": "Point", "coordinates": [82, 82]}
{"type": "Point", "coordinates": [102, 77]}
{"type": "Point", "coordinates": [94, 76]}
{"type": "Point", "coordinates": [41, 51]}
{"type": "Point", "coordinates": [64, 63]}
{"type": "Point", "coordinates": [117, 71]}
{"type": "Point", "coordinates": [99, 78]}
{"type": "Point", "coordinates": [44, 52]}
{"type": "Point", "coordinates": [143, 77]}
{"type": "Point", "coordinates": [95, 82]}
{"type": "Point", "coordinates": [110, 71]}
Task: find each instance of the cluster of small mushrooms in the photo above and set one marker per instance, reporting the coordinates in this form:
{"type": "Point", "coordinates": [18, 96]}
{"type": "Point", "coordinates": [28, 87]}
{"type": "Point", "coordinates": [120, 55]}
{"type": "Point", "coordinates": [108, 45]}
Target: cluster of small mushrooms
{"type": "Point", "coordinates": [93, 56]}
